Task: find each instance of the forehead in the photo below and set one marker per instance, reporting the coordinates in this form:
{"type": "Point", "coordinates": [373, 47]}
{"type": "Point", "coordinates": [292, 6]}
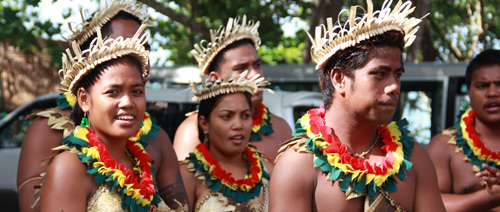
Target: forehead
{"type": "Point", "coordinates": [245, 53]}
{"type": "Point", "coordinates": [233, 101]}
{"type": "Point", "coordinates": [386, 56]}
{"type": "Point", "coordinates": [486, 73]}
{"type": "Point", "coordinates": [120, 71]}
{"type": "Point", "coordinates": [123, 27]}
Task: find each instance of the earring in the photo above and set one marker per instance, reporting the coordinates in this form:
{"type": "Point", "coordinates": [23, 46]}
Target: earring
{"type": "Point", "coordinates": [85, 121]}
{"type": "Point", "coordinates": [205, 137]}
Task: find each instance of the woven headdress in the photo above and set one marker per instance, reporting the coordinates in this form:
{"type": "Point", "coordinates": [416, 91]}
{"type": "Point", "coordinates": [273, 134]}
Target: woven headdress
{"type": "Point", "coordinates": [101, 51]}
{"type": "Point", "coordinates": [329, 40]}
{"type": "Point", "coordinates": [211, 89]}
{"type": "Point", "coordinates": [225, 36]}
{"type": "Point", "coordinates": [85, 30]}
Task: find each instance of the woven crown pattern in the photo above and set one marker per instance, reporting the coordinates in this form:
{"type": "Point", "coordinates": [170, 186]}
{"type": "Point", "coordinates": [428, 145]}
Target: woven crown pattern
{"type": "Point", "coordinates": [101, 51]}
{"type": "Point", "coordinates": [85, 30]}
{"type": "Point", "coordinates": [331, 39]}
{"type": "Point", "coordinates": [206, 51]}
{"type": "Point", "coordinates": [229, 85]}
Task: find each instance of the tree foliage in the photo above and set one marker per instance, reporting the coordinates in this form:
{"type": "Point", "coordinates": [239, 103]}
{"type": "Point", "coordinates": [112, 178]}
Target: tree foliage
{"type": "Point", "coordinates": [453, 30]}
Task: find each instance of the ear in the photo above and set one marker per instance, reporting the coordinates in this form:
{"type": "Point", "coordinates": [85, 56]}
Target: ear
{"type": "Point", "coordinates": [214, 76]}
{"type": "Point", "coordinates": [338, 80]}
{"type": "Point", "coordinates": [83, 98]}
{"type": "Point", "coordinates": [203, 123]}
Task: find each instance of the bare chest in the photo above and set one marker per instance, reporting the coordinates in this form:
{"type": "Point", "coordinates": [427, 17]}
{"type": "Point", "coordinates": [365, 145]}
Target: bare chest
{"type": "Point", "coordinates": [463, 176]}
{"type": "Point", "coordinates": [329, 197]}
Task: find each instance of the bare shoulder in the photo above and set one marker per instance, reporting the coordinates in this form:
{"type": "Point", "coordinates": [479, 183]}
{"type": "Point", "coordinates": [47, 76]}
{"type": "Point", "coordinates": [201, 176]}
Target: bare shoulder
{"type": "Point", "coordinates": [67, 184]}
{"type": "Point", "coordinates": [439, 147]}
{"type": "Point", "coordinates": [280, 125]}
{"type": "Point", "coordinates": [186, 137]}
{"type": "Point", "coordinates": [67, 165]}
{"type": "Point", "coordinates": [294, 178]}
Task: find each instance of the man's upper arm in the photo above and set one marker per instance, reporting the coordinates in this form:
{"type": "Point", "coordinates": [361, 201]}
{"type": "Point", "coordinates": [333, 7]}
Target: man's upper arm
{"type": "Point", "coordinates": [427, 195]}
{"type": "Point", "coordinates": [439, 153]}
{"type": "Point", "coordinates": [186, 137]}
{"type": "Point", "coordinates": [170, 184]}
{"type": "Point", "coordinates": [37, 145]}
{"type": "Point", "coordinates": [292, 182]}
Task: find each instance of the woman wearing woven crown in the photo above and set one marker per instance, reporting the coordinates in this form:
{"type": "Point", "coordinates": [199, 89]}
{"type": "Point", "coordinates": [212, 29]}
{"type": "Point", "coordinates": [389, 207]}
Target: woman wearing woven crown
{"type": "Point", "coordinates": [225, 172]}
{"type": "Point", "coordinates": [348, 155]}
{"type": "Point", "coordinates": [114, 18]}
{"type": "Point", "coordinates": [105, 167]}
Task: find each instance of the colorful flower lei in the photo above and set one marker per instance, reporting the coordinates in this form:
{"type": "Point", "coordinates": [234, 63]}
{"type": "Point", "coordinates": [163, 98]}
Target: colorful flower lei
{"type": "Point", "coordinates": [471, 143]}
{"type": "Point", "coordinates": [261, 123]}
{"type": "Point", "coordinates": [333, 157]}
{"type": "Point", "coordinates": [65, 100]}
{"type": "Point", "coordinates": [217, 179]}
{"type": "Point", "coordinates": [137, 192]}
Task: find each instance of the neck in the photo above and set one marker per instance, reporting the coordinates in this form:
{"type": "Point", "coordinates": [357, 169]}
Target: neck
{"type": "Point", "coordinates": [357, 134]}
{"type": "Point", "coordinates": [487, 131]}
{"type": "Point", "coordinates": [115, 146]}
{"type": "Point", "coordinates": [224, 159]}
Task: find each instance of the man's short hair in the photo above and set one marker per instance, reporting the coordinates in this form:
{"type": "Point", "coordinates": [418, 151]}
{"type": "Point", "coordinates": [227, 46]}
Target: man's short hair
{"type": "Point", "coordinates": [488, 57]}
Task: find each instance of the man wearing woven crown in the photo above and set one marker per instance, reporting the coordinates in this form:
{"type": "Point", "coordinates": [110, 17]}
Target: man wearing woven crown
{"type": "Point", "coordinates": [344, 157]}
{"type": "Point", "coordinates": [466, 155]}
{"type": "Point", "coordinates": [234, 48]}
{"type": "Point", "coordinates": [116, 18]}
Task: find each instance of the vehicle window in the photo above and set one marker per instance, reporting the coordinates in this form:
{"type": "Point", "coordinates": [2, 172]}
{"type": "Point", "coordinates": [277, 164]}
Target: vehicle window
{"type": "Point", "coordinates": [13, 134]}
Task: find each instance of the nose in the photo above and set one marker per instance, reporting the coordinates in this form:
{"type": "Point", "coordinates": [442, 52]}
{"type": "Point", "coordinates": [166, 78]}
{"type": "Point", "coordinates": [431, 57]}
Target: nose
{"type": "Point", "coordinates": [252, 71]}
{"type": "Point", "coordinates": [237, 124]}
{"type": "Point", "coordinates": [126, 101]}
{"type": "Point", "coordinates": [394, 86]}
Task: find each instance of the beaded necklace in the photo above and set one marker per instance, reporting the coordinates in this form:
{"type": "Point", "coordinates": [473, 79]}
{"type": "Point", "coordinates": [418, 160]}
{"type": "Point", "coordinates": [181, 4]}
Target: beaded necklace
{"type": "Point", "coordinates": [471, 143]}
{"type": "Point", "coordinates": [333, 157]}
{"type": "Point", "coordinates": [218, 180]}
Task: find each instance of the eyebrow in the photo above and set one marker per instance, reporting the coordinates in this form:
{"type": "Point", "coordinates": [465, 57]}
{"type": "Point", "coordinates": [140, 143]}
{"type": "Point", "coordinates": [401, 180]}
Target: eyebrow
{"type": "Point", "coordinates": [388, 68]}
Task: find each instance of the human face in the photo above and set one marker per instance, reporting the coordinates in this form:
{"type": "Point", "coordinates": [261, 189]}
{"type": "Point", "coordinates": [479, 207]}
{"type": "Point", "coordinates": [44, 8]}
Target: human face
{"type": "Point", "coordinates": [229, 125]}
{"type": "Point", "coordinates": [240, 59]}
{"type": "Point", "coordinates": [373, 93]}
{"type": "Point", "coordinates": [127, 29]}
{"type": "Point", "coordinates": [484, 93]}
{"type": "Point", "coordinates": [116, 102]}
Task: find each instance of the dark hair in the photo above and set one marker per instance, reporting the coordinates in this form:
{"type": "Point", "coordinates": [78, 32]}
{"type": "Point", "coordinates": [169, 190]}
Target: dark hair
{"type": "Point", "coordinates": [106, 30]}
{"type": "Point", "coordinates": [207, 106]}
{"type": "Point", "coordinates": [219, 58]}
{"type": "Point", "coordinates": [486, 58]}
{"type": "Point", "coordinates": [350, 59]}
{"type": "Point", "coordinates": [93, 76]}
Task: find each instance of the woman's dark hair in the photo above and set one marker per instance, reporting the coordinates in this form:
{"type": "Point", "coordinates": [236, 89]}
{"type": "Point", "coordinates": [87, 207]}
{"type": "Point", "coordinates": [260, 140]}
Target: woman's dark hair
{"type": "Point", "coordinates": [207, 106]}
{"type": "Point", "coordinates": [106, 30]}
{"type": "Point", "coordinates": [91, 78]}
{"type": "Point", "coordinates": [219, 59]}
{"type": "Point", "coordinates": [486, 58]}
{"type": "Point", "coordinates": [354, 57]}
